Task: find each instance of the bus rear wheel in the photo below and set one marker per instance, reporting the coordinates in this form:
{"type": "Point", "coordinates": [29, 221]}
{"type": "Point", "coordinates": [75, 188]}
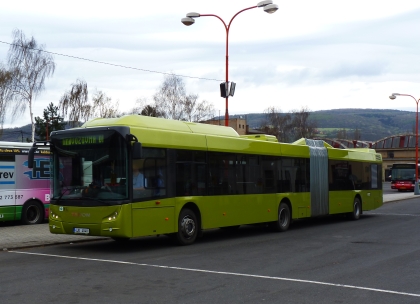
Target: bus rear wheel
{"type": "Point", "coordinates": [357, 210]}
{"type": "Point", "coordinates": [283, 220]}
{"type": "Point", "coordinates": [187, 227]}
{"type": "Point", "coordinates": [32, 213]}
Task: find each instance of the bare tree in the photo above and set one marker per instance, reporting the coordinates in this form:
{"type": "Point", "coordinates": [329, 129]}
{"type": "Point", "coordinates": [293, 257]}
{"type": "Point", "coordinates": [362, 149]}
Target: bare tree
{"type": "Point", "coordinates": [140, 104]}
{"type": "Point", "coordinates": [30, 66]}
{"type": "Point", "coordinates": [276, 123]}
{"type": "Point", "coordinates": [357, 134]}
{"type": "Point", "coordinates": [103, 106]}
{"type": "Point", "coordinates": [173, 102]}
{"type": "Point", "coordinates": [342, 134]}
{"type": "Point", "coordinates": [74, 103]}
{"type": "Point", "coordinates": [168, 99]}
{"type": "Point", "coordinates": [197, 111]}
{"type": "Point", "coordinates": [301, 125]}
{"type": "Point", "coordinates": [5, 92]}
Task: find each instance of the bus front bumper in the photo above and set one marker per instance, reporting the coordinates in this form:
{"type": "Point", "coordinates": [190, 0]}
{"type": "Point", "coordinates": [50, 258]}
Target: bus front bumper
{"type": "Point", "coordinates": [103, 229]}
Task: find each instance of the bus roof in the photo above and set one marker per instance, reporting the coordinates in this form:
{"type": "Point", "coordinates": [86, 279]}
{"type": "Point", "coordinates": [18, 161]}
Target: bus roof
{"type": "Point", "coordinates": [12, 144]}
{"type": "Point", "coordinates": [177, 134]}
{"type": "Point", "coordinates": [140, 121]}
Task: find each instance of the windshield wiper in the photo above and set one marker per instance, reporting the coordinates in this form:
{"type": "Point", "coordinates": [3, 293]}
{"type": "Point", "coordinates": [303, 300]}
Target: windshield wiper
{"type": "Point", "coordinates": [69, 189]}
{"type": "Point", "coordinates": [97, 200]}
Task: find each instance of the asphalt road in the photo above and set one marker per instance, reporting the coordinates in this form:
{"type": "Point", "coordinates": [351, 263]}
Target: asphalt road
{"type": "Point", "coordinates": [328, 260]}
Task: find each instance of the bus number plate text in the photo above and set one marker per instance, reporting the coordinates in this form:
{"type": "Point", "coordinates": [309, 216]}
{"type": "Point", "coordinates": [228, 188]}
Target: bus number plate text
{"type": "Point", "coordinates": [81, 230]}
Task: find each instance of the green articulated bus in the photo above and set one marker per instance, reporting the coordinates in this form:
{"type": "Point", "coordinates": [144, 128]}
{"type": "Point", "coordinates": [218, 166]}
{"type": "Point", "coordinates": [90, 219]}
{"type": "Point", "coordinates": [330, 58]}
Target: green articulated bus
{"type": "Point", "coordinates": [139, 176]}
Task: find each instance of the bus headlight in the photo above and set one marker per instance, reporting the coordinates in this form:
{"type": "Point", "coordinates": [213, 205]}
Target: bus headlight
{"type": "Point", "coordinates": [54, 216]}
{"type": "Point", "coordinates": [113, 216]}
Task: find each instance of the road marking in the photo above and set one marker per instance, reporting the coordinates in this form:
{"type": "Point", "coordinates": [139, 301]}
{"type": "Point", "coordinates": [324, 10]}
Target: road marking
{"type": "Point", "coordinates": [400, 214]}
{"type": "Point", "coordinates": [224, 273]}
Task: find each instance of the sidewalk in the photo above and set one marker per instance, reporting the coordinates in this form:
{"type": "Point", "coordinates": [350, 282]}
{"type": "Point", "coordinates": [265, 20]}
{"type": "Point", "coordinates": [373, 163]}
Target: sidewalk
{"type": "Point", "coordinates": [23, 236]}
{"type": "Point", "coordinates": [398, 196]}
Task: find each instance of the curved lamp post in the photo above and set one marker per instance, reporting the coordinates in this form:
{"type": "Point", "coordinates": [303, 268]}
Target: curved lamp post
{"type": "Point", "coordinates": [268, 6]}
{"type": "Point", "coordinates": [416, 183]}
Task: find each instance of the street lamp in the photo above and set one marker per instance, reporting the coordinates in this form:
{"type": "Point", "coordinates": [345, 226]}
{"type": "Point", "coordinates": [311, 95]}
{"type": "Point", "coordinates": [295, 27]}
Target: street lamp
{"type": "Point", "coordinates": [269, 8]}
{"type": "Point", "coordinates": [416, 183]}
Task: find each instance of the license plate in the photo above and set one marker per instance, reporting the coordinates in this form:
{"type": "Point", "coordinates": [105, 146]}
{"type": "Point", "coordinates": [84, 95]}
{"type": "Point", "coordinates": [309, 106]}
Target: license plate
{"type": "Point", "coordinates": [402, 188]}
{"type": "Point", "coordinates": [81, 230]}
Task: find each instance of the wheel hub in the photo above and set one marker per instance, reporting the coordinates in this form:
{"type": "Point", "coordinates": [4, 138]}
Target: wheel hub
{"type": "Point", "coordinates": [188, 226]}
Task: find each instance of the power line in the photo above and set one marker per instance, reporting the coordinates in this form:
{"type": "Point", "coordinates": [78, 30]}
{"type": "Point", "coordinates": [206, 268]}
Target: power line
{"type": "Point", "coordinates": [116, 65]}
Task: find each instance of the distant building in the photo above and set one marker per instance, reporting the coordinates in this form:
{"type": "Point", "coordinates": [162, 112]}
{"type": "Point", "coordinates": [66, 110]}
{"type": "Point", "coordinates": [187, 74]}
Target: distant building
{"type": "Point", "coordinates": [393, 149]}
{"type": "Point", "coordinates": [238, 124]}
{"type": "Point", "coordinates": [346, 143]}
{"type": "Point", "coordinates": [396, 149]}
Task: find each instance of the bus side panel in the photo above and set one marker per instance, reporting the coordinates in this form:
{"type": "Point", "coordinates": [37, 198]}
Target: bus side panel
{"type": "Point", "coordinates": [7, 191]}
{"type": "Point", "coordinates": [341, 201]}
{"type": "Point", "coordinates": [32, 184]}
{"type": "Point", "coordinates": [153, 221]}
{"type": "Point", "coordinates": [372, 199]}
{"type": "Point", "coordinates": [301, 204]}
{"type": "Point", "coordinates": [7, 213]}
{"type": "Point", "coordinates": [232, 210]}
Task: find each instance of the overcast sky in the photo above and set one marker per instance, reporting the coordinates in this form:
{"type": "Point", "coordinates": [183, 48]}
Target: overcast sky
{"type": "Point", "coordinates": [323, 54]}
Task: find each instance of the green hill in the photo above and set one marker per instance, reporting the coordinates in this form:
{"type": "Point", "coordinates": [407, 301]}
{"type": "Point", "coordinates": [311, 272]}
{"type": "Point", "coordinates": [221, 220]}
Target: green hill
{"type": "Point", "coordinates": [373, 124]}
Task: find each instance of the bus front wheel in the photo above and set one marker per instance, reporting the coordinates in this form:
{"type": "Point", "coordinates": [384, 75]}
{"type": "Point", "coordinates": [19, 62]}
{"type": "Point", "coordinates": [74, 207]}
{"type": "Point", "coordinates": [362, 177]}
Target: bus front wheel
{"type": "Point", "coordinates": [283, 220]}
{"type": "Point", "coordinates": [32, 213]}
{"type": "Point", "coordinates": [187, 227]}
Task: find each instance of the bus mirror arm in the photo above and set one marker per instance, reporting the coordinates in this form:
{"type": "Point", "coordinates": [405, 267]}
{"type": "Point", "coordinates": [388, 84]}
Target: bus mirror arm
{"type": "Point", "coordinates": [137, 150]}
{"type": "Point", "coordinates": [31, 157]}
{"type": "Point", "coordinates": [32, 151]}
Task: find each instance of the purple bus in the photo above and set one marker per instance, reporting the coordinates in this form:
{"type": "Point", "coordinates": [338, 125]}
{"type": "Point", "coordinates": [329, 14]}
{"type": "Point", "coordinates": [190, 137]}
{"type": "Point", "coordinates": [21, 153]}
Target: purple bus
{"type": "Point", "coordinates": [24, 192]}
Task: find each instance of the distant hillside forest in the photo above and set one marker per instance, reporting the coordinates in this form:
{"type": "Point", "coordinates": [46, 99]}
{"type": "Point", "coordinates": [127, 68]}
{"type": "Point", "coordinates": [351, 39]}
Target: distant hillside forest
{"type": "Point", "coordinates": [366, 124]}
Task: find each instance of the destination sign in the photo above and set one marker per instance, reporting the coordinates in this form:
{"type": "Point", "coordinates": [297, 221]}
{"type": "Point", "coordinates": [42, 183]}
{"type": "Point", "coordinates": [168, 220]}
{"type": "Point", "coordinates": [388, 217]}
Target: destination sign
{"type": "Point", "coordinates": [83, 140]}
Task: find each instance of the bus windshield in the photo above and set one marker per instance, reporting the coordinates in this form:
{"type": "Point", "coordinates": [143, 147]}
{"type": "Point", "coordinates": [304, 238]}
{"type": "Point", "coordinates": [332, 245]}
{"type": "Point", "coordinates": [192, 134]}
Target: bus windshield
{"type": "Point", "coordinates": [91, 166]}
{"type": "Point", "coordinates": [403, 173]}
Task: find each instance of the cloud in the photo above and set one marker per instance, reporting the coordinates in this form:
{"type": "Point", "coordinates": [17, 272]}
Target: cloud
{"type": "Point", "coordinates": [356, 51]}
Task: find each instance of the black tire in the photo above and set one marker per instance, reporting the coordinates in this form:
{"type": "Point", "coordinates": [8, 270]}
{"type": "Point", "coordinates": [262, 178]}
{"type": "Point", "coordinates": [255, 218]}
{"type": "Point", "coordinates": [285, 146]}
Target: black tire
{"type": "Point", "coordinates": [357, 210]}
{"type": "Point", "coordinates": [32, 213]}
{"type": "Point", "coordinates": [187, 227]}
{"type": "Point", "coordinates": [283, 220]}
